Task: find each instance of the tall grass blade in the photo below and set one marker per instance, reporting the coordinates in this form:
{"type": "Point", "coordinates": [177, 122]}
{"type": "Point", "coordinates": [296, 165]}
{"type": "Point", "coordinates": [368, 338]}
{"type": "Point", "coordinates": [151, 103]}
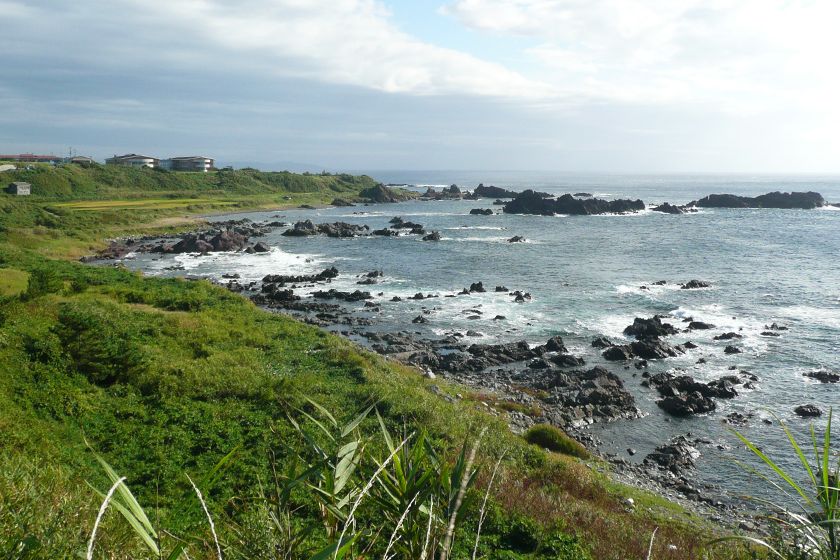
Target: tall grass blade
{"type": "Point", "coordinates": [209, 517]}
{"type": "Point", "coordinates": [99, 516]}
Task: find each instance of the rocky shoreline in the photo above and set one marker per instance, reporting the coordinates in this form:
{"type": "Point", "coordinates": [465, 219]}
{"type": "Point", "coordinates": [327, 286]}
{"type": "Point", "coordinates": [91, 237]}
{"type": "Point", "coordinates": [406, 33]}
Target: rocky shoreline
{"type": "Point", "coordinates": [529, 384]}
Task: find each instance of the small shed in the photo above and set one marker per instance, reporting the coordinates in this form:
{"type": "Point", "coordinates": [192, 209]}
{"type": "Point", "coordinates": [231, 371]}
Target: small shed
{"type": "Point", "coordinates": [19, 188]}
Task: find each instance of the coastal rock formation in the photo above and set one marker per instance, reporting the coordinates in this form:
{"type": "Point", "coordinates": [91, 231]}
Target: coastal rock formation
{"type": "Point", "coordinates": [668, 208]}
{"type": "Point", "coordinates": [649, 328]}
{"type": "Point", "coordinates": [823, 376]}
{"type": "Point", "coordinates": [434, 236]}
{"type": "Point", "coordinates": [808, 411]}
{"type": "Point", "coordinates": [675, 456]}
{"type": "Point", "coordinates": [357, 295]}
{"type": "Point", "coordinates": [802, 200]}
{"type": "Point", "coordinates": [516, 239]}
{"type": "Point", "coordinates": [493, 192]}
{"type": "Point", "coordinates": [481, 212]}
{"type": "Point", "coordinates": [695, 285]}
{"type": "Point", "coordinates": [282, 279]}
{"type": "Point", "coordinates": [382, 194]}
{"type": "Point", "coordinates": [582, 397]}
{"type": "Point", "coordinates": [336, 229]}
{"type": "Point", "coordinates": [341, 202]}
{"type": "Point", "coordinates": [530, 202]}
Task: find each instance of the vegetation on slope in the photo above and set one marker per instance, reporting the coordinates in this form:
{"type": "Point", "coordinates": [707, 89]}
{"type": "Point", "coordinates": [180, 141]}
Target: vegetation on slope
{"type": "Point", "coordinates": [165, 377]}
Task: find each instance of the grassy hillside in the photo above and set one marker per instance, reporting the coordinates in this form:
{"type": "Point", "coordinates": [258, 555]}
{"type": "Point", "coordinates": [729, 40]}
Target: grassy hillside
{"type": "Point", "coordinates": [164, 378]}
{"type": "Point", "coordinates": [74, 182]}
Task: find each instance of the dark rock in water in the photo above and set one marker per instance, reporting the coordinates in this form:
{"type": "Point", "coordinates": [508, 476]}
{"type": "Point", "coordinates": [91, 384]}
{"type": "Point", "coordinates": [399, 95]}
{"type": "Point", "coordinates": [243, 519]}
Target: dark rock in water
{"type": "Point", "coordinates": [728, 336]}
{"type": "Point", "coordinates": [823, 376]}
{"type": "Point", "coordinates": [673, 386]}
{"type": "Point", "coordinates": [686, 404]}
{"type": "Point", "coordinates": [516, 239]}
{"type": "Point", "coordinates": [583, 195]}
{"type": "Point", "coordinates": [357, 295]}
{"type": "Point", "coordinates": [493, 192]}
{"type": "Point", "coordinates": [453, 189]}
{"type": "Point", "coordinates": [273, 294]}
{"type": "Point", "coordinates": [555, 344]}
{"type": "Point", "coordinates": [381, 193]}
{"type": "Point", "coordinates": [396, 298]}
{"type": "Point", "coordinates": [567, 361]}
{"type": "Point", "coordinates": [530, 202]}
{"type": "Point", "coordinates": [499, 318]}
{"type": "Point", "coordinates": [667, 208]}
{"type": "Point", "coordinates": [324, 275]}
{"type": "Point", "coordinates": [732, 350]}
{"type": "Point", "coordinates": [618, 353]}
{"type": "Point", "coordinates": [651, 349]}
{"type": "Point", "coordinates": [601, 342]}
{"type": "Point", "coordinates": [660, 283]}
{"type": "Point", "coordinates": [233, 276]}
{"type": "Point", "coordinates": [775, 327]}
{"type": "Point", "coordinates": [808, 411]}
{"type": "Point", "coordinates": [301, 229]}
{"type": "Point", "coordinates": [261, 247]}
{"type": "Point", "coordinates": [801, 200]}
{"type": "Point", "coordinates": [400, 224]}
{"type": "Point", "coordinates": [501, 289]}
{"type": "Point", "coordinates": [481, 212]}
{"type": "Point", "coordinates": [434, 236]}
{"type": "Point", "coordinates": [385, 232]}
{"type": "Point", "coordinates": [675, 456]}
{"type": "Point", "coordinates": [649, 328]}
{"type": "Point", "coordinates": [700, 326]}
{"type": "Point", "coordinates": [477, 287]}
{"type": "Point", "coordinates": [419, 319]}
{"type": "Point", "coordinates": [342, 229]}
{"type": "Point", "coordinates": [340, 202]}
{"type": "Point", "coordinates": [770, 333]}
{"type": "Point", "coordinates": [695, 284]}
{"type": "Point", "coordinates": [539, 363]}
{"type": "Point", "coordinates": [688, 345]}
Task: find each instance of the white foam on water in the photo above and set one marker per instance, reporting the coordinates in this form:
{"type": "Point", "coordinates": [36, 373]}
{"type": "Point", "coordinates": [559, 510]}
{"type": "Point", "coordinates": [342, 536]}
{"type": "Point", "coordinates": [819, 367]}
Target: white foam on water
{"type": "Point", "coordinates": [249, 266]}
{"type": "Point", "coordinates": [824, 316]}
{"type": "Point", "coordinates": [724, 320]}
{"type": "Point", "coordinates": [829, 208]}
{"type": "Point", "coordinates": [652, 289]}
{"type": "Point", "coordinates": [478, 239]}
{"type": "Point", "coordinates": [492, 228]}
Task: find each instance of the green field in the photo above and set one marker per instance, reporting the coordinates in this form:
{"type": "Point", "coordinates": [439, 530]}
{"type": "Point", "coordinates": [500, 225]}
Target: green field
{"type": "Point", "coordinates": [163, 378]}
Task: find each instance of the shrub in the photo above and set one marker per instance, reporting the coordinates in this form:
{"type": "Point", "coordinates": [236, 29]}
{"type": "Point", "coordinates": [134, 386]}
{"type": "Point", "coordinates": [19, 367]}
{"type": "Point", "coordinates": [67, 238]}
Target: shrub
{"type": "Point", "coordinates": [42, 281]}
{"type": "Point", "coordinates": [555, 439]}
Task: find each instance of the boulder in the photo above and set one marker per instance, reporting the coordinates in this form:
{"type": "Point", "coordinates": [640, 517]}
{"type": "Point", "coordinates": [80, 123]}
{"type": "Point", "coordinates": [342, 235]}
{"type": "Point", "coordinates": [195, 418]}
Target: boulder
{"type": "Point", "coordinates": [808, 411]}
{"type": "Point", "coordinates": [686, 404]}
{"type": "Point", "coordinates": [618, 353]}
{"type": "Point", "coordinates": [732, 350]}
{"type": "Point", "coordinates": [341, 202]}
{"type": "Point", "coordinates": [792, 200]}
{"type": "Point", "coordinates": [823, 376]}
{"type": "Point", "coordinates": [700, 326]}
{"type": "Point", "coordinates": [667, 208]}
{"type": "Point", "coordinates": [481, 212]}
{"type": "Point", "coordinates": [493, 192]}
{"type": "Point", "coordinates": [652, 349]}
{"type": "Point", "coordinates": [516, 239]}
{"type": "Point", "coordinates": [342, 229]}
{"type": "Point", "coordinates": [649, 328]}
{"type": "Point", "coordinates": [301, 229]}
{"type": "Point", "coordinates": [728, 336]}
{"type": "Point", "coordinates": [262, 247]}
{"type": "Point", "coordinates": [601, 342]}
{"type": "Point", "coordinates": [695, 284]}
{"type": "Point", "coordinates": [434, 236]}
{"type": "Point", "coordinates": [477, 287]}
{"type": "Point", "coordinates": [675, 456]}
{"type": "Point", "coordinates": [382, 194]}
{"type": "Point", "coordinates": [555, 344]}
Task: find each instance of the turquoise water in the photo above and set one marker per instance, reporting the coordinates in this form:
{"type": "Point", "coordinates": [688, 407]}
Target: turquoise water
{"type": "Point", "coordinates": [584, 273]}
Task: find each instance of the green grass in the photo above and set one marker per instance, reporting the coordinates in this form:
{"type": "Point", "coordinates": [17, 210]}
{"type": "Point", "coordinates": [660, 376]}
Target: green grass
{"type": "Point", "coordinates": [555, 439]}
{"type": "Point", "coordinates": [164, 377]}
{"type": "Point", "coordinates": [12, 281]}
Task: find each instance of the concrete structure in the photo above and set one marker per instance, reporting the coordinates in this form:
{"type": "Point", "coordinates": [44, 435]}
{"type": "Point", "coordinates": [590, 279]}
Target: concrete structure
{"type": "Point", "coordinates": [30, 158]}
{"type": "Point", "coordinates": [134, 160]}
{"type": "Point", "coordinates": [188, 163]}
{"type": "Point", "coordinates": [19, 188]}
{"type": "Point", "coordinates": [7, 167]}
{"type": "Point", "coordinates": [82, 160]}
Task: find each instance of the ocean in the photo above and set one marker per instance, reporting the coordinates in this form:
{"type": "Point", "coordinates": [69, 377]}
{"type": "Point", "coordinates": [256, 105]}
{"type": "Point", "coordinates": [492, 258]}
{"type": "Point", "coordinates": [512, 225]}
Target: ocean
{"type": "Point", "coordinates": [585, 275]}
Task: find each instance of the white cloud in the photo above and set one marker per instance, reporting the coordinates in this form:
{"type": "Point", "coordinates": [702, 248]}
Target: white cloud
{"type": "Point", "coordinates": [745, 56]}
{"type": "Point", "coordinates": [348, 42]}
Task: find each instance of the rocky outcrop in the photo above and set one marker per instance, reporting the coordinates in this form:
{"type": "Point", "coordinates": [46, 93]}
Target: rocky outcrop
{"type": "Point", "coordinates": [582, 397]}
{"type": "Point", "coordinates": [808, 411]}
{"type": "Point", "coordinates": [800, 200]}
{"type": "Point", "coordinates": [283, 279]}
{"type": "Point", "coordinates": [357, 295]}
{"type": "Point", "coordinates": [675, 456]}
{"type": "Point", "coordinates": [336, 229]}
{"type": "Point", "coordinates": [695, 285]}
{"type": "Point", "coordinates": [434, 236]}
{"type": "Point", "coordinates": [493, 192]}
{"type": "Point", "coordinates": [530, 202]}
{"type": "Point", "coordinates": [301, 229]}
{"type": "Point", "coordinates": [382, 194]}
{"type": "Point", "coordinates": [823, 376]}
{"type": "Point", "coordinates": [516, 239]}
{"type": "Point", "coordinates": [481, 212]}
{"type": "Point", "coordinates": [649, 328]}
{"type": "Point", "coordinates": [341, 202]}
{"type": "Point", "coordinates": [668, 208]}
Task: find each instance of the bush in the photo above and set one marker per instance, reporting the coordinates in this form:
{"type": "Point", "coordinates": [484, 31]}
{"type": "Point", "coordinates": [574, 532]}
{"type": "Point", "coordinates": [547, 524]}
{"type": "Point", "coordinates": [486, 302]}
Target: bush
{"type": "Point", "coordinates": [555, 439]}
{"type": "Point", "coordinates": [42, 281]}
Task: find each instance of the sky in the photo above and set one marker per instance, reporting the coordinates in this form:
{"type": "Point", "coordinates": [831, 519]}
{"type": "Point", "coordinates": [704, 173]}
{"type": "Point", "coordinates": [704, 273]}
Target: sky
{"type": "Point", "coordinates": [610, 86]}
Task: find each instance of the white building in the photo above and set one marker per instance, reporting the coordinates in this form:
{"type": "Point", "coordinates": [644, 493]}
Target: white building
{"type": "Point", "coordinates": [134, 160]}
{"type": "Point", "coordinates": [20, 189]}
{"type": "Point", "coordinates": [188, 163]}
